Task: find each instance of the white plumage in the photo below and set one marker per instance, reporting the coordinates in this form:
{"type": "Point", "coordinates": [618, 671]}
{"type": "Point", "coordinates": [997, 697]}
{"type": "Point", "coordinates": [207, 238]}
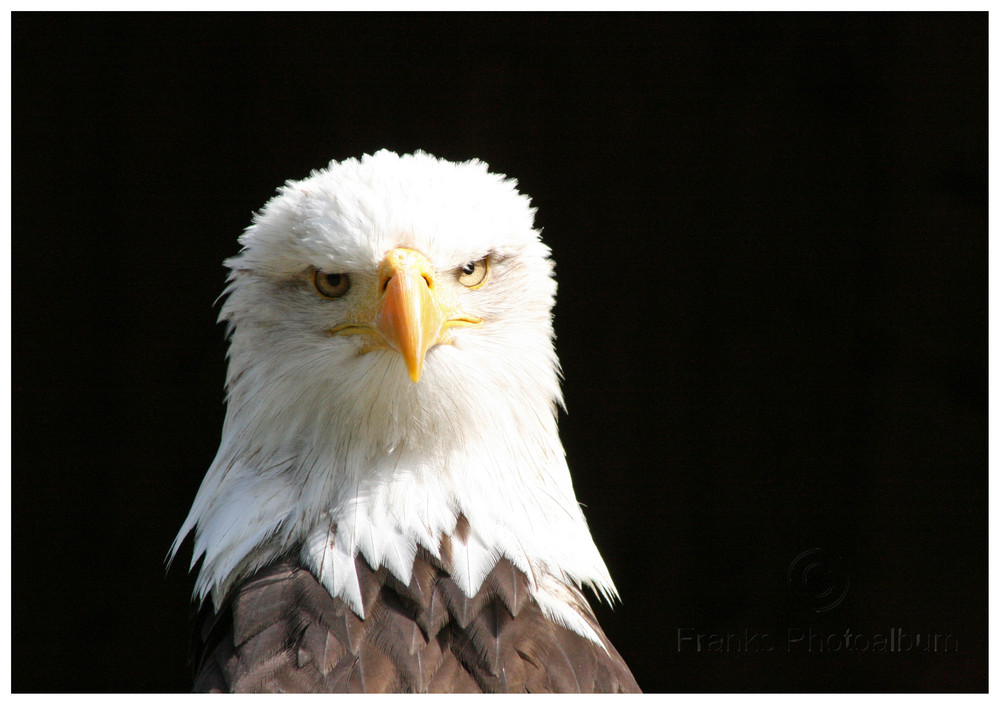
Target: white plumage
{"type": "Point", "coordinates": [331, 450]}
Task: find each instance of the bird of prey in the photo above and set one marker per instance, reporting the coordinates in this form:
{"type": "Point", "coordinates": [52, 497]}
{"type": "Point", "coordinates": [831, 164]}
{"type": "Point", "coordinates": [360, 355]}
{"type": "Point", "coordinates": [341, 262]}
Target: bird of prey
{"type": "Point", "coordinates": [390, 508]}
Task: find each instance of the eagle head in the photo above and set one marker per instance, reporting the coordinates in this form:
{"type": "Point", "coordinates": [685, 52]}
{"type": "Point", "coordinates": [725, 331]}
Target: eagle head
{"type": "Point", "coordinates": [392, 381]}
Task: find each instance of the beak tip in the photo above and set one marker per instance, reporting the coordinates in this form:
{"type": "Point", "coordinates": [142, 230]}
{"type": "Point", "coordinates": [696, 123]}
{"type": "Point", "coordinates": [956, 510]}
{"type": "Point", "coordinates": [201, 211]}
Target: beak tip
{"type": "Point", "coordinates": [414, 366]}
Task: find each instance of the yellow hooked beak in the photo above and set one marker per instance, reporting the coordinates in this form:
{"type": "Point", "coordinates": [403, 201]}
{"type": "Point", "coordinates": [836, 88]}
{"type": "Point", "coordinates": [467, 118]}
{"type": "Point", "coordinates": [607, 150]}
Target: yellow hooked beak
{"type": "Point", "coordinates": [409, 311]}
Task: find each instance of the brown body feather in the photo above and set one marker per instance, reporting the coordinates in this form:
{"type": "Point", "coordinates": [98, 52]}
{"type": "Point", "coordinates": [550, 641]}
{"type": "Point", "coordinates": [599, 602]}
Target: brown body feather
{"type": "Point", "coordinates": [280, 630]}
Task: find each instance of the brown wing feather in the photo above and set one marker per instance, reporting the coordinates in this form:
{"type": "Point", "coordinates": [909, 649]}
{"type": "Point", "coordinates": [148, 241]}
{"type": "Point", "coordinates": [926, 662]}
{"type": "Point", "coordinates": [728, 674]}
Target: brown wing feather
{"type": "Point", "coordinates": [282, 631]}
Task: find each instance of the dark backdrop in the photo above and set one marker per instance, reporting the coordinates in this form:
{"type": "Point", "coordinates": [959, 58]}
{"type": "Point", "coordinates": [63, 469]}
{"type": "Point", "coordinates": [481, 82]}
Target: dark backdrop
{"type": "Point", "coordinates": [771, 239]}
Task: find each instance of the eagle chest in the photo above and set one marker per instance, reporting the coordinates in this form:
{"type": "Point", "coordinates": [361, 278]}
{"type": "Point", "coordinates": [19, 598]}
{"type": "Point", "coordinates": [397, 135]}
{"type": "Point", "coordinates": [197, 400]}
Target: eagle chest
{"type": "Point", "coordinates": [282, 631]}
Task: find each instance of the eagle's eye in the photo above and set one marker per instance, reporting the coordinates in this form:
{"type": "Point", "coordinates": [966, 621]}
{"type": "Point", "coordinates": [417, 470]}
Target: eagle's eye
{"type": "Point", "coordinates": [473, 274]}
{"type": "Point", "coordinates": [331, 286]}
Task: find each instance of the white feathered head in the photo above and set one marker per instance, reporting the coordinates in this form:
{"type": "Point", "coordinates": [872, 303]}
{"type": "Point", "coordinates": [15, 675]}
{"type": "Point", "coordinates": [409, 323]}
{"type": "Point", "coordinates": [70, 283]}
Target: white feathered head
{"type": "Point", "coordinates": [391, 368]}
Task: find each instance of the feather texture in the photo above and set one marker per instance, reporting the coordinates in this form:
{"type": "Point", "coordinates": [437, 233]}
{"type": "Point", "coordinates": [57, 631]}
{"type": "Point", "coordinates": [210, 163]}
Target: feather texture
{"type": "Point", "coordinates": [281, 631]}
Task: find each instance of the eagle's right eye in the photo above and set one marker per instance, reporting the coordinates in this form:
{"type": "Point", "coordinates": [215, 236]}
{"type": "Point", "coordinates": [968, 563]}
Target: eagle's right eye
{"type": "Point", "coordinates": [331, 286]}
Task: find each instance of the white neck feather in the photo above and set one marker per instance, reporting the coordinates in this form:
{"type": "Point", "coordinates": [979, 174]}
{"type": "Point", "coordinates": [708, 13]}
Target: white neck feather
{"type": "Point", "coordinates": [337, 482]}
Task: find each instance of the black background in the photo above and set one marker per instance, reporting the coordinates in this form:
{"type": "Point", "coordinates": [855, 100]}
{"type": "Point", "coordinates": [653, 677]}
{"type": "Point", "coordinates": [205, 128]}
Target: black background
{"type": "Point", "coordinates": [771, 241]}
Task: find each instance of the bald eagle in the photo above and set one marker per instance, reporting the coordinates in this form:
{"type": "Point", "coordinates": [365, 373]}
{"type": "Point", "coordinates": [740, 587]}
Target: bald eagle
{"type": "Point", "coordinates": [390, 508]}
